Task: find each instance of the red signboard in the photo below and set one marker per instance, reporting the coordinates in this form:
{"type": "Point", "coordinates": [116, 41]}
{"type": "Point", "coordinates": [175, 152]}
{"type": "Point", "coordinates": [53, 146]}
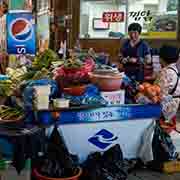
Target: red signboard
{"type": "Point", "coordinates": [113, 16]}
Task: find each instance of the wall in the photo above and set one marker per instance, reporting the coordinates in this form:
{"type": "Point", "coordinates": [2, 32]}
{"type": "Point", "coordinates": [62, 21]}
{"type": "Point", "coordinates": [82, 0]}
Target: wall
{"type": "Point", "coordinates": [95, 9]}
{"type": "Point", "coordinates": [110, 46]}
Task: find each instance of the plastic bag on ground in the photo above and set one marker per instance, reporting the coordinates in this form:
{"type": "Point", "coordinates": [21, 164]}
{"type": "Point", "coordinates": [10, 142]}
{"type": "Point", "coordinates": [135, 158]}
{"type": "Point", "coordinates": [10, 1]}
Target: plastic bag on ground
{"type": "Point", "coordinates": [57, 161]}
{"type": "Point", "coordinates": [162, 146]}
{"type": "Point", "coordinates": [145, 152]}
{"type": "Point", "coordinates": [109, 166]}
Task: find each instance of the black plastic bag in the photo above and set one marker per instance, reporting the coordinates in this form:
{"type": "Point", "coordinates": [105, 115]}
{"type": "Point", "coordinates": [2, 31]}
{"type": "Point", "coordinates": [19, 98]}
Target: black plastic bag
{"type": "Point", "coordinates": [114, 154]}
{"type": "Point", "coordinates": [58, 162]}
{"type": "Point", "coordinates": [109, 166]}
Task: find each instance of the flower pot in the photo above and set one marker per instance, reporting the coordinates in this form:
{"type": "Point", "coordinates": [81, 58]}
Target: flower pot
{"type": "Point", "coordinates": [40, 177]}
{"type": "Point", "coordinates": [106, 82]}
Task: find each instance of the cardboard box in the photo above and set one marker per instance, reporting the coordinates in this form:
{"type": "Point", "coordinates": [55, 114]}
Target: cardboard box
{"type": "Point", "coordinates": [114, 97]}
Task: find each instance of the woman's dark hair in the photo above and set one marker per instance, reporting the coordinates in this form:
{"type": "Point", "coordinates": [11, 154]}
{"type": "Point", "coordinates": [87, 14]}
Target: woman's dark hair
{"type": "Point", "coordinates": [170, 54]}
{"type": "Point", "coordinates": [135, 27]}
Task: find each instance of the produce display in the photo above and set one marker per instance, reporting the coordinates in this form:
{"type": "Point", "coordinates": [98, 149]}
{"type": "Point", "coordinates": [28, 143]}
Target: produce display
{"type": "Point", "coordinates": [45, 59]}
{"type": "Point", "coordinates": [50, 84]}
{"type": "Point", "coordinates": [35, 75]}
{"type": "Point", "coordinates": [79, 79]}
{"type": "Point", "coordinates": [148, 93]}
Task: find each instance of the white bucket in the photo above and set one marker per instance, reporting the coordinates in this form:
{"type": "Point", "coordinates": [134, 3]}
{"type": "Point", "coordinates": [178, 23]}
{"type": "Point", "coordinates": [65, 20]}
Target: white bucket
{"type": "Point", "coordinates": [42, 90]}
{"type": "Point", "coordinates": [41, 102]}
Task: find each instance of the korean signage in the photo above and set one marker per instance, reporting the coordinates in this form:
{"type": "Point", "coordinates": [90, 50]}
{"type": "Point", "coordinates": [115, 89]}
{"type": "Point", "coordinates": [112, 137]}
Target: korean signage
{"type": "Point", "coordinates": [138, 15]}
{"type": "Point", "coordinates": [113, 113]}
{"type": "Point", "coordinates": [113, 16]}
{"type": "Point", "coordinates": [21, 37]}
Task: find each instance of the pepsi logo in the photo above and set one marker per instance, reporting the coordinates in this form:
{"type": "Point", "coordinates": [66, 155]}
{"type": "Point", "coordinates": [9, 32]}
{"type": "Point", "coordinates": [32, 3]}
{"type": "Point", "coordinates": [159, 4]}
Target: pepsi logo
{"type": "Point", "coordinates": [21, 29]}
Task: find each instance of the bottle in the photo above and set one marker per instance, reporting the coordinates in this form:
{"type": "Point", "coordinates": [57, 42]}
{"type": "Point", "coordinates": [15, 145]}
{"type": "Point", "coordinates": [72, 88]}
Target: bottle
{"type": "Point", "coordinates": [61, 50]}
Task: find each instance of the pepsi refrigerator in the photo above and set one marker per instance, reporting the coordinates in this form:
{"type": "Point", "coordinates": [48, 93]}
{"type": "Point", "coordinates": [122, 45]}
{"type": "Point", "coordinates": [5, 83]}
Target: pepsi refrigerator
{"type": "Point", "coordinates": [21, 33]}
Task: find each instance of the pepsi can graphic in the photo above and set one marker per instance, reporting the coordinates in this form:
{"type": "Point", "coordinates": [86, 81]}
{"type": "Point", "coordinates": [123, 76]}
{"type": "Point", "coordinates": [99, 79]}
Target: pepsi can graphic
{"type": "Point", "coordinates": [21, 38]}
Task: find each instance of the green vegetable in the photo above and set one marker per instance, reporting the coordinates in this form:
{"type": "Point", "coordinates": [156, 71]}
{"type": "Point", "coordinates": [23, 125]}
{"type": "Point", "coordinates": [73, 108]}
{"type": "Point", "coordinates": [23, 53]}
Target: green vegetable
{"type": "Point", "coordinates": [8, 113]}
{"type": "Point", "coordinates": [44, 60]}
{"type": "Point", "coordinates": [72, 64]}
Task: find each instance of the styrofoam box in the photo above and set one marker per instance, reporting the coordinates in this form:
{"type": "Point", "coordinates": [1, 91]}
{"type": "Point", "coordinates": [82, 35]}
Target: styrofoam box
{"type": "Point", "coordinates": [114, 97]}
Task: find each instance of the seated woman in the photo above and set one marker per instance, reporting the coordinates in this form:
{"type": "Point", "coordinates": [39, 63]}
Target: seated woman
{"type": "Point", "coordinates": [135, 53]}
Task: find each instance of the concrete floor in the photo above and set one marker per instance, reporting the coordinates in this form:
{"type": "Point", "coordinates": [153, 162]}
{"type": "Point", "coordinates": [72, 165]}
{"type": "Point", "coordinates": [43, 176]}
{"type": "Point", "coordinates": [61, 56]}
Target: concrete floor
{"type": "Point", "coordinates": [151, 175]}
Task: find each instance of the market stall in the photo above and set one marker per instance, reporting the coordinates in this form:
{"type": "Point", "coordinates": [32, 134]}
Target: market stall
{"type": "Point", "coordinates": [97, 129]}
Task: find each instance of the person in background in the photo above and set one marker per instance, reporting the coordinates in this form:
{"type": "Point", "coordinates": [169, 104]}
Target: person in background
{"type": "Point", "coordinates": [3, 8]}
{"type": "Point", "coordinates": [135, 53]}
{"type": "Point", "coordinates": [169, 82]}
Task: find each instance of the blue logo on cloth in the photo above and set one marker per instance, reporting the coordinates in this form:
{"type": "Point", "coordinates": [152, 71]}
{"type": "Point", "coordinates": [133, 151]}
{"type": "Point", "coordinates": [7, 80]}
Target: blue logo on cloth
{"type": "Point", "coordinates": [103, 139]}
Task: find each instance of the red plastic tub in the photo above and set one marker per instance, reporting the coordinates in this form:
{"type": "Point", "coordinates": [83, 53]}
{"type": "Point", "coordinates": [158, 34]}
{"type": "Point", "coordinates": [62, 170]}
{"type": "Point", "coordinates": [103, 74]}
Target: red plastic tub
{"type": "Point", "coordinates": [40, 177]}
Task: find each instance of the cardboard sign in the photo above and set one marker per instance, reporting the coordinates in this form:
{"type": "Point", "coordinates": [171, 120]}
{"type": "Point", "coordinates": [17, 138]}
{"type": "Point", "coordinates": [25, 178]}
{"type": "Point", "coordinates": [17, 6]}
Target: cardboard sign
{"type": "Point", "coordinates": [115, 97]}
{"type": "Point", "coordinates": [113, 17]}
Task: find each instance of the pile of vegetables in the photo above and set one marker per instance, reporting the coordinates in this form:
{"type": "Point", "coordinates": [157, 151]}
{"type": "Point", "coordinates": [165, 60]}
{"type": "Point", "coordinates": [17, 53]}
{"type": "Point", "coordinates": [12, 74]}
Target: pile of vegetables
{"type": "Point", "coordinates": [11, 113]}
{"type": "Point", "coordinates": [16, 76]}
{"type": "Point", "coordinates": [41, 66]}
{"type": "Point", "coordinates": [74, 71]}
{"type": "Point", "coordinates": [148, 93]}
{"type": "Point", "coordinates": [45, 59]}
{"type": "Point", "coordinates": [36, 75]}
{"type": "Point", "coordinates": [6, 88]}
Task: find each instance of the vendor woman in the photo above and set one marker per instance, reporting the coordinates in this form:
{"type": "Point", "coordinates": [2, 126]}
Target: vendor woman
{"type": "Point", "coordinates": [135, 53]}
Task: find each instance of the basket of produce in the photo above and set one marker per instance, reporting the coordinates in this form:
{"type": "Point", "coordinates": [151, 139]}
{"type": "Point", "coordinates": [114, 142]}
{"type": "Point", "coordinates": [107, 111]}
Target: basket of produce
{"type": "Point", "coordinates": [148, 93]}
{"type": "Point", "coordinates": [73, 72]}
{"type": "Point", "coordinates": [11, 114]}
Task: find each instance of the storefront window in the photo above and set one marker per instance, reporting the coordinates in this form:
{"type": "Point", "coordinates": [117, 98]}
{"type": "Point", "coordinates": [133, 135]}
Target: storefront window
{"type": "Point", "coordinates": [110, 18]}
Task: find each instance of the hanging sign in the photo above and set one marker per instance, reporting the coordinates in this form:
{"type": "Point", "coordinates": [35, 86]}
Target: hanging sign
{"type": "Point", "coordinates": [113, 17]}
{"type": "Point", "coordinates": [21, 37]}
